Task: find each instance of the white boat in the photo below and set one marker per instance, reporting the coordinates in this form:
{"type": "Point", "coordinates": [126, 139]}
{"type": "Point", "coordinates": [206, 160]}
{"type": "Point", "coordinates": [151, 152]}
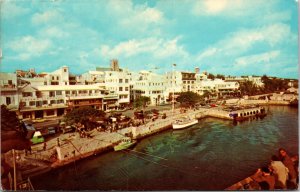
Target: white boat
{"type": "Point", "coordinates": [184, 122]}
{"type": "Point", "coordinates": [125, 144]}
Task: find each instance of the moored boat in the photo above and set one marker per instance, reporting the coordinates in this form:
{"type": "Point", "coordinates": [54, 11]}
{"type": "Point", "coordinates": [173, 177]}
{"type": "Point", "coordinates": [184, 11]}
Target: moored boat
{"type": "Point", "coordinates": [125, 144]}
{"type": "Point", "coordinates": [184, 122]}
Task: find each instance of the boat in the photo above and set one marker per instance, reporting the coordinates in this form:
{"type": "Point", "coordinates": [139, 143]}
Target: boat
{"type": "Point", "coordinates": [184, 122]}
{"type": "Point", "coordinates": [125, 144]}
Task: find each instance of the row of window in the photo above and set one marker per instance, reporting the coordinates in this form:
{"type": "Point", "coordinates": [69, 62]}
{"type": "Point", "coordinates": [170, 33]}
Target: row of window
{"type": "Point", "coordinates": [121, 89]}
{"type": "Point", "coordinates": [188, 82]}
{"type": "Point", "coordinates": [249, 113]}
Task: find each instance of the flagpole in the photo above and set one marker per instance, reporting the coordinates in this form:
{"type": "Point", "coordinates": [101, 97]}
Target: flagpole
{"type": "Point", "coordinates": [173, 82]}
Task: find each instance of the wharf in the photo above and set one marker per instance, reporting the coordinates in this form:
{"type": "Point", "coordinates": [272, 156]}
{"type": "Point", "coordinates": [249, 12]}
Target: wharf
{"type": "Point", "coordinates": [73, 148]}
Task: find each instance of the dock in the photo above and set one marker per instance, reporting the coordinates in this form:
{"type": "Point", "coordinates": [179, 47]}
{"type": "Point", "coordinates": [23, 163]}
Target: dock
{"type": "Point", "coordinates": [73, 148]}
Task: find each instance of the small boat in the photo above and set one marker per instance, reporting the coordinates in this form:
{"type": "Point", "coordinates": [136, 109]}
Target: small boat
{"type": "Point", "coordinates": [184, 122]}
{"type": "Point", "coordinates": [125, 144]}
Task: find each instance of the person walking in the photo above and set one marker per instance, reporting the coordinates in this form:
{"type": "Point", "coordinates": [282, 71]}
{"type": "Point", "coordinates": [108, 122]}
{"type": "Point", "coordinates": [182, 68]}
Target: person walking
{"type": "Point", "coordinates": [45, 146]}
{"type": "Point", "coordinates": [280, 171]}
{"type": "Point", "coordinates": [287, 161]}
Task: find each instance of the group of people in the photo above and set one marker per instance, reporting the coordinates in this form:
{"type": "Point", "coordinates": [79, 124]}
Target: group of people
{"type": "Point", "coordinates": [282, 172]}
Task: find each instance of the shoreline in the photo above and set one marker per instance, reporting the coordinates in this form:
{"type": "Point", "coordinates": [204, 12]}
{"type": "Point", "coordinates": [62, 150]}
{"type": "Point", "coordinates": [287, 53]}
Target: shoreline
{"type": "Point", "coordinates": [144, 131]}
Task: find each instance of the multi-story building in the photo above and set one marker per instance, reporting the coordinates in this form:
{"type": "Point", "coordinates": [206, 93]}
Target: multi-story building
{"type": "Point", "coordinates": [9, 90]}
{"type": "Point", "coordinates": [255, 79]}
{"type": "Point", "coordinates": [178, 82]}
{"type": "Point", "coordinates": [113, 79]}
{"type": "Point", "coordinates": [55, 100]}
{"type": "Point", "coordinates": [218, 87]}
{"type": "Point", "coordinates": [151, 85]}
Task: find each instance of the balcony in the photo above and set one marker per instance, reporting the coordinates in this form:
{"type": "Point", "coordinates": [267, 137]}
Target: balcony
{"type": "Point", "coordinates": [42, 98]}
{"type": "Point", "coordinates": [12, 87]}
{"type": "Point", "coordinates": [50, 106]}
{"type": "Point", "coordinates": [84, 96]}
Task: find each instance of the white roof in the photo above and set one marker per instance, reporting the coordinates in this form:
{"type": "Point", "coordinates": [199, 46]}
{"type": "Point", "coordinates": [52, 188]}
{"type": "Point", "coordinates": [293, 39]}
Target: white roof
{"type": "Point", "coordinates": [96, 72]}
{"type": "Point", "coordinates": [68, 87]}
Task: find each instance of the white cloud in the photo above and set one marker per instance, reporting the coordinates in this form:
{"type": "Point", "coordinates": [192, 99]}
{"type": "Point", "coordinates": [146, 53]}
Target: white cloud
{"type": "Point", "coordinates": [137, 19]}
{"type": "Point", "coordinates": [207, 53]}
{"type": "Point", "coordinates": [46, 17]}
{"type": "Point", "coordinates": [159, 48]}
{"type": "Point", "coordinates": [235, 8]}
{"type": "Point", "coordinates": [257, 58]}
{"type": "Point", "coordinates": [29, 46]}
{"type": "Point", "coordinates": [10, 9]}
{"type": "Point", "coordinates": [53, 31]}
{"type": "Point", "coordinates": [244, 40]}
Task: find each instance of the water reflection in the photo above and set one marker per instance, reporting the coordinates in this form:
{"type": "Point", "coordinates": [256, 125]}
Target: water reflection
{"type": "Point", "coordinates": [208, 156]}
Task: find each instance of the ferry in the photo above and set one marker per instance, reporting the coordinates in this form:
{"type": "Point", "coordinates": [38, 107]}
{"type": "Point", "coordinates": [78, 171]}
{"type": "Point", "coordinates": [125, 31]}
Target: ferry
{"type": "Point", "coordinates": [184, 122]}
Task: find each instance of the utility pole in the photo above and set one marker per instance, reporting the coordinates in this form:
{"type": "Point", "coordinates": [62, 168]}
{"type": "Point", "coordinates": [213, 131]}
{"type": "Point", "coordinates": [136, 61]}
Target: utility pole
{"type": "Point", "coordinates": [173, 82]}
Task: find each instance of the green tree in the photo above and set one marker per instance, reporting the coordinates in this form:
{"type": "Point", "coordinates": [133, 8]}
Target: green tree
{"type": "Point", "coordinates": [188, 99]}
{"type": "Point", "coordinates": [9, 119]}
{"type": "Point", "coordinates": [211, 76]}
{"type": "Point", "coordinates": [219, 76]}
{"type": "Point", "coordinates": [141, 101]}
{"type": "Point", "coordinates": [248, 88]}
{"type": "Point", "coordinates": [83, 115]}
{"type": "Point", "coordinates": [274, 84]}
{"type": "Point", "coordinates": [12, 136]}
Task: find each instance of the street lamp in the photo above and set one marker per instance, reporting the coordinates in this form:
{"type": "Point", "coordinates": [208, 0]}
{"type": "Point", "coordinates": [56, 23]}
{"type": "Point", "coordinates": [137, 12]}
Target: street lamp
{"type": "Point", "coordinates": [15, 169]}
{"type": "Point", "coordinates": [173, 82]}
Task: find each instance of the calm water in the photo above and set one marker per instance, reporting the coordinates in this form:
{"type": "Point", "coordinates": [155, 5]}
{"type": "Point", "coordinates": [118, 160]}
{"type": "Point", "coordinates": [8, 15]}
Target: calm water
{"type": "Point", "coordinates": [211, 155]}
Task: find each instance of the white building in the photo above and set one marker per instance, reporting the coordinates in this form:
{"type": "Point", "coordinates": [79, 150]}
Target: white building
{"type": "Point", "coordinates": [151, 85]}
{"type": "Point", "coordinates": [55, 100]}
{"type": "Point", "coordinates": [217, 86]}
{"type": "Point", "coordinates": [9, 90]}
{"type": "Point", "coordinates": [113, 79]}
{"type": "Point", "coordinates": [255, 79]}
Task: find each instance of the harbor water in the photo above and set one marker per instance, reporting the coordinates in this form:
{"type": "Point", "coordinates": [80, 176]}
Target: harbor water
{"type": "Point", "coordinates": [212, 155]}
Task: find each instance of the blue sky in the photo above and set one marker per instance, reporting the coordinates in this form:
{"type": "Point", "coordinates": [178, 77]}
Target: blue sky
{"type": "Point", "coordinates": [230, 37]}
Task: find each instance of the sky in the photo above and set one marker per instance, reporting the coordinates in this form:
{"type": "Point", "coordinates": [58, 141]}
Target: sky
{"type": "Point", "coordinates": [229, 37]}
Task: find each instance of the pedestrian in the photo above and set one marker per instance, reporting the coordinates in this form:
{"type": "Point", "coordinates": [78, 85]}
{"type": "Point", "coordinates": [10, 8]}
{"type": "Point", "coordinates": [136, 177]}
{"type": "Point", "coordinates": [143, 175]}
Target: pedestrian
{"type": "Point", "coordinates": [287, 161]}
{"type": "Point", "coordinates": [280, 171]}
{"type": "Point", "coordinates": [263, 176]}
{"type": "Point", "coordinates": [45, 146]}
{"type": "Point", "coordinates": [58, 143]}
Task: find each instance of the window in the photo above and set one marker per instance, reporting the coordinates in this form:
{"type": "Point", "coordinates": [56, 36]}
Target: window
{"type": "Point", "coordinates": [50, 112]}
{"type": "Point", "coordinates": [45, 83]}
{"type": "Point", "coordinates": [10, 82]}
{"type": "Point", "coordinates": [51, 94]}
{"type": "Point", "coordinates": [26, 94]}
{"type": "Point", "coordinates": [8, 100]}
{"type": "Point", "coordinates": [57, 78]}
{"type": "Point", "coordinates": [120, 88]}
{"type": "Point", "coordinates": [126, 89]}
{"type": "Point", "coordinates": [52, 78]}
{"type": "Point", "coordinates": [53, 102]}
{"type": "Point", "coordinates": [65, 70]}
{"type": "Point", "coordinates": [126, 80]}
{"type": "Point", "coordinates": [32, 103]}
{"type": "Point", "coordinates": [120, 80]}
{"type": "Point", "coordinates": [58, 92]}
{"type": "Point", "coordinates": [45, 102]}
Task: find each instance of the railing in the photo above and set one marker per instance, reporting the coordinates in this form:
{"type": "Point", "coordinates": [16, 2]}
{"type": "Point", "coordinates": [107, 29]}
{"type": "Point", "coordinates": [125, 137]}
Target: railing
{"type": "Point", "coordinates": [24, 99]}
{"type": "Point", "coordinates": [25, 185]}
{"type": "Point", "coordinates": [8, 87]}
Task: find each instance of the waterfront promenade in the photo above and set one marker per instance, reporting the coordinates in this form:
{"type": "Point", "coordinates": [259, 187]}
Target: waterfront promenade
{"type": "Point", "coordinates": [72, 147]}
